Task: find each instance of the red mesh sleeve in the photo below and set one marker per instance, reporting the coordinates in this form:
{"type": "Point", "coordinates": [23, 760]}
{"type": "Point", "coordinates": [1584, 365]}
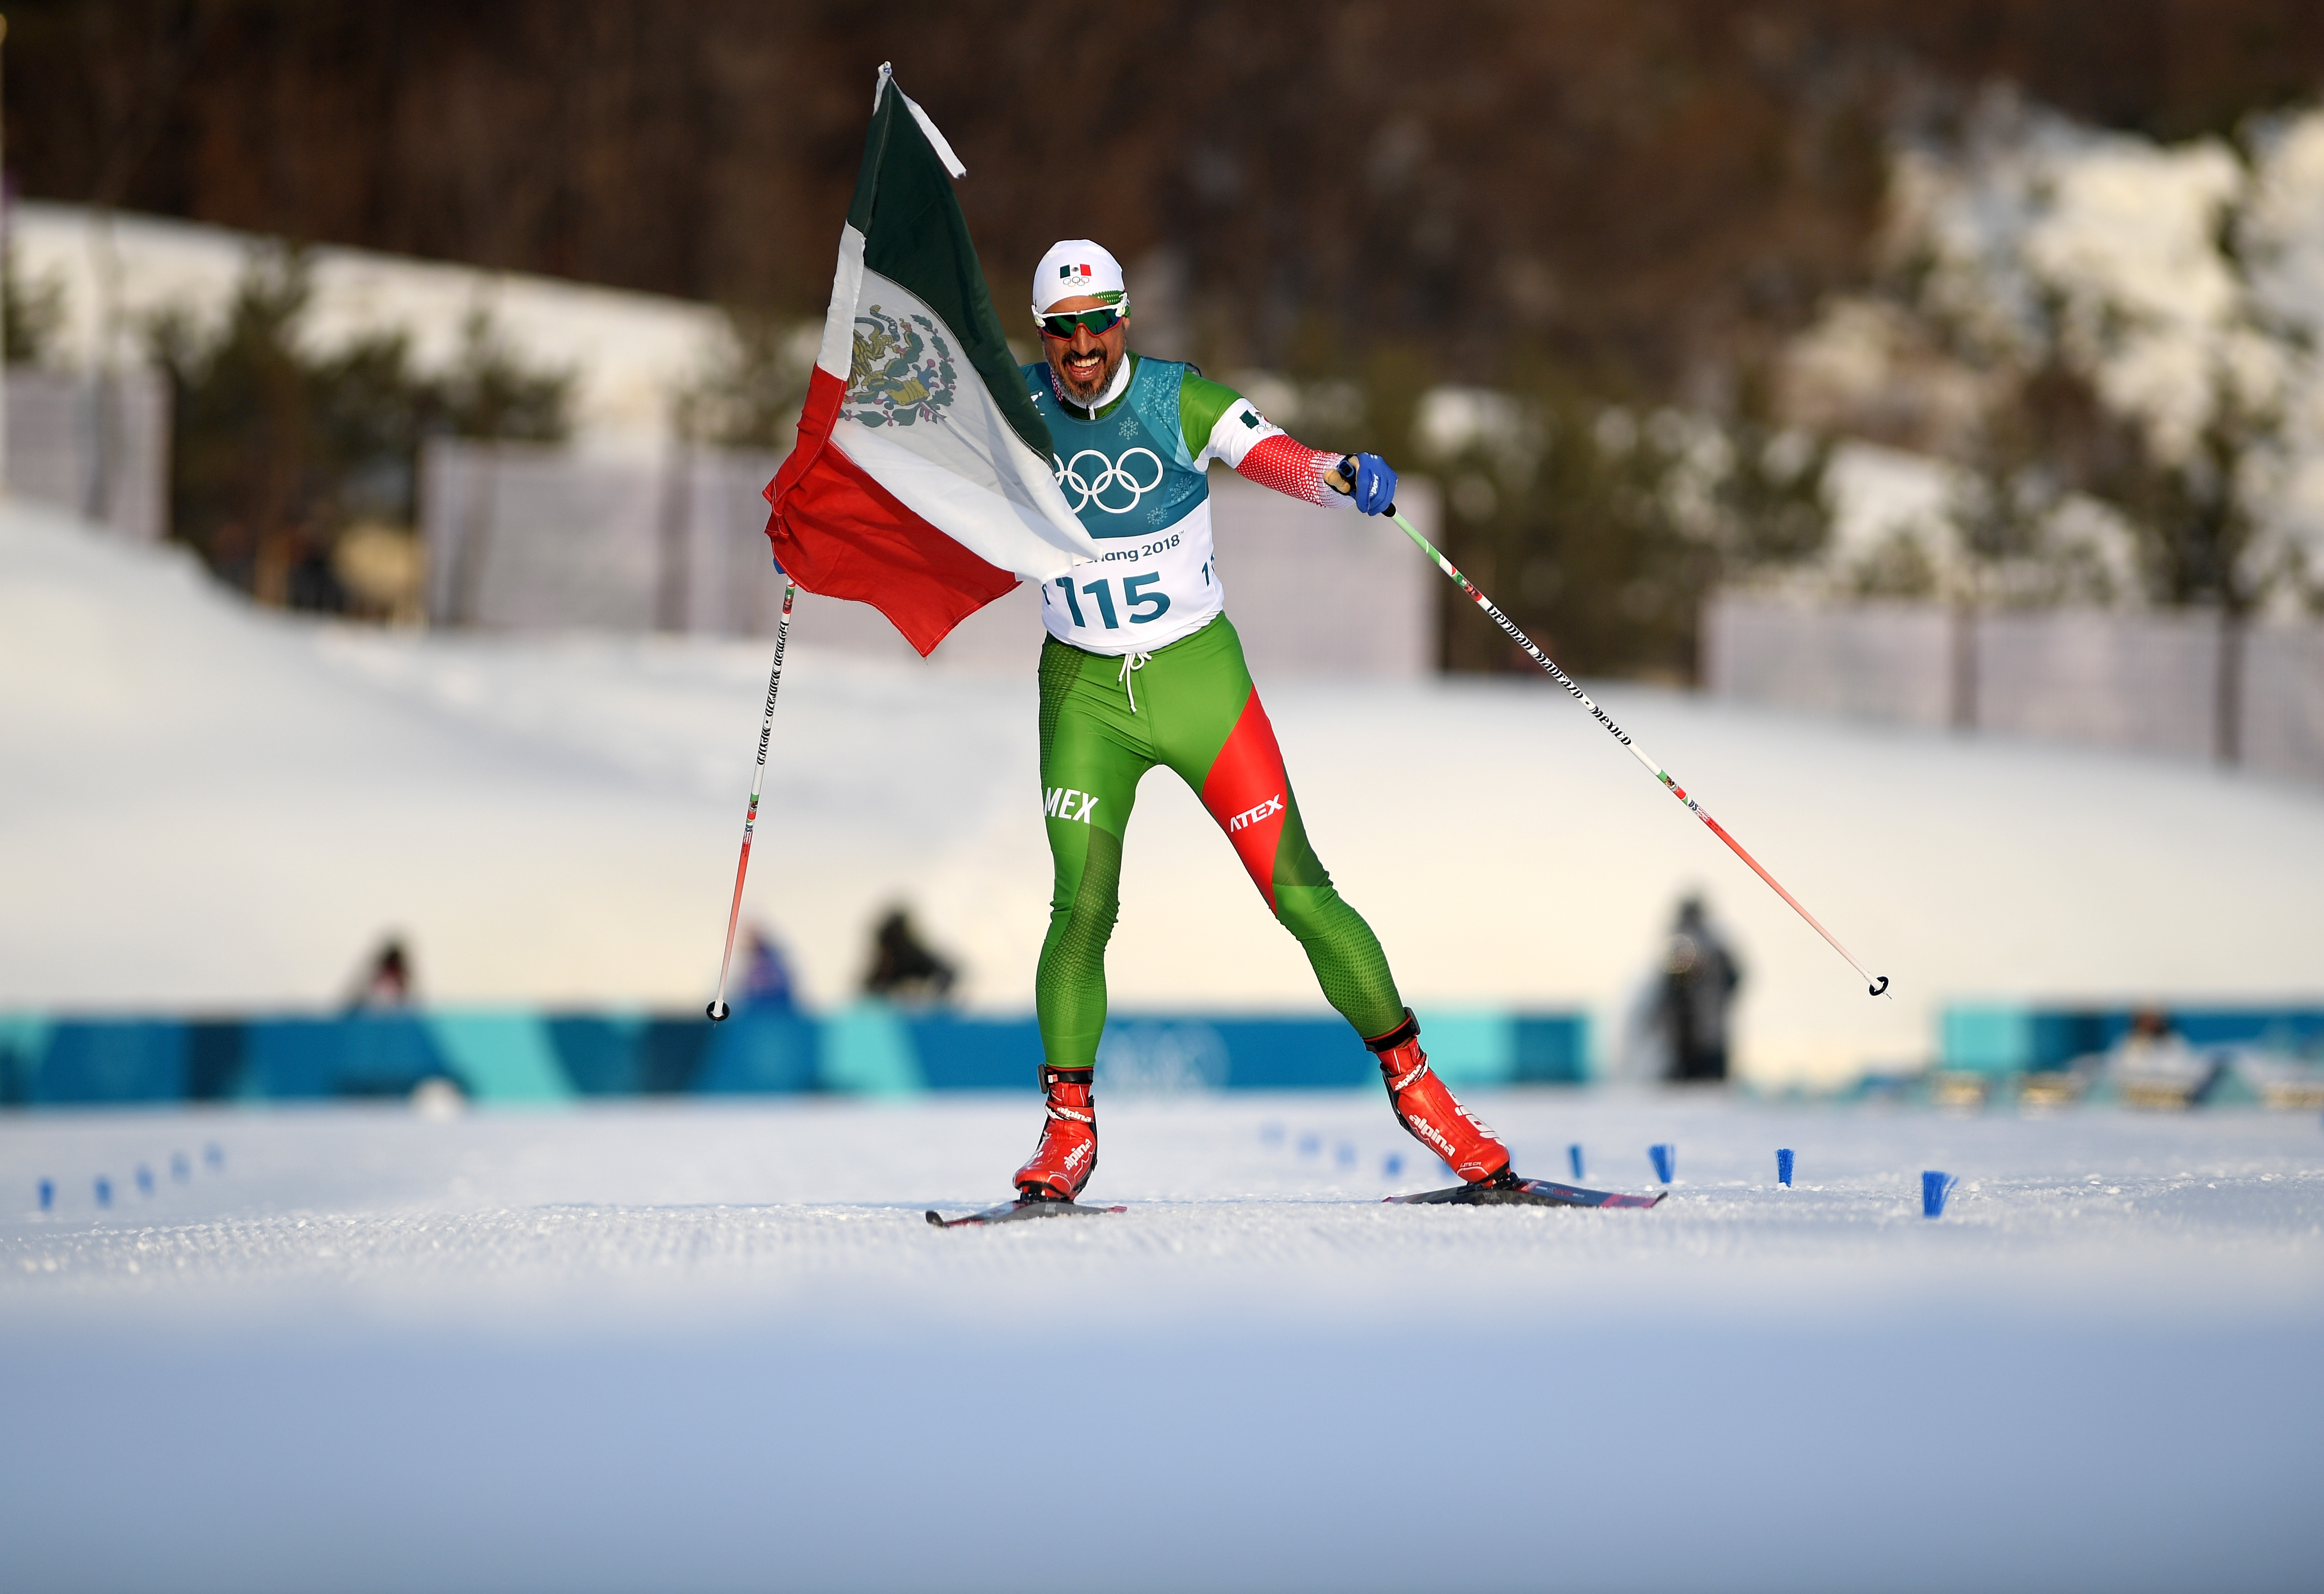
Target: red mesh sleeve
{"type": "Point", "coordinates": [1290, 467]}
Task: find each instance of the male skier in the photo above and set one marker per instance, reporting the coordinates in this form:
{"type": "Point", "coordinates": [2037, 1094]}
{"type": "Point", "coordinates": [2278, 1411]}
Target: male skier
{"type": "Point", "coordinates": [1142, 667]}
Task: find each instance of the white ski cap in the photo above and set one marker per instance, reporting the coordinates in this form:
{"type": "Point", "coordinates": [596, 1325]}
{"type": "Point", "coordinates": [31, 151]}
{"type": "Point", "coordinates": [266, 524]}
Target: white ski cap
{"type": "Point", "coordinates": [1074, 268]}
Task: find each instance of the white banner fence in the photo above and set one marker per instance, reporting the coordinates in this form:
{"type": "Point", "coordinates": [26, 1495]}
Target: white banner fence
{"type": "Point", "coordinates": [99, 448]}
{"type": "Point", "coordinates": [528, 537]}
{"type": "Point", "coordinates": [2179, 682]}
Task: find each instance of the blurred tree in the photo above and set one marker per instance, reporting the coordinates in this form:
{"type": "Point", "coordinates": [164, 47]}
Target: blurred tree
{"type": "Point", "coordinates": [752, 396]}
{"type": "Point", "coordinates": [490, 392]}
{"type": "Point", "coordinates": [276, 451]}
{"type": "Point", "coordinates": [1602, 531]}
{"type": "Point", "coordinates": [2195, 513]}
{"type": "Point", "coordinates": [2042, 434]}
{"type": "Point", "coordinates": [1766, 493]}
{"type": "Point", "coordinates": [1564, 521]}
{"type": "Point", "coordinates": [241, 482]}
{"type": "Point", "coordinates": [30, 313]}
{"type": "Point", "coordinates": [1657, 184]}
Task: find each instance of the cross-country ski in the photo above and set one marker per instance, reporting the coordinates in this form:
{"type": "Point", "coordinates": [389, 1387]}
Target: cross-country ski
{"type": "Point", "coordinates": [1537, 1192]}
{"type": "Point", "coordinates": [1019, 1210]}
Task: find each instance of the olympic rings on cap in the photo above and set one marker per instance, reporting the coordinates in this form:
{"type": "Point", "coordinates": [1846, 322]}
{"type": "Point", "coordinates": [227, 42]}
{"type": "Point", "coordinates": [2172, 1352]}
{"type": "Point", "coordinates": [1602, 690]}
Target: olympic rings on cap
{"type": "Point", "coordinates": [1116, 475]}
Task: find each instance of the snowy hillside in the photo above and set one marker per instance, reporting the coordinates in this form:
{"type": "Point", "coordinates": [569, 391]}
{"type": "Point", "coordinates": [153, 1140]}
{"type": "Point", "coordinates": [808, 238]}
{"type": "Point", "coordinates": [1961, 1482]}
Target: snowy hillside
{"type": "Point", "coordinates": [211, 806]}
{"type": "Point", "coordinates": [631, 353]}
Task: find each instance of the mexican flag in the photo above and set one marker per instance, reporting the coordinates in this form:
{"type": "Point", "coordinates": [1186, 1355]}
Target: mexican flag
{"type": "Point", "coordinates": [920, 484]}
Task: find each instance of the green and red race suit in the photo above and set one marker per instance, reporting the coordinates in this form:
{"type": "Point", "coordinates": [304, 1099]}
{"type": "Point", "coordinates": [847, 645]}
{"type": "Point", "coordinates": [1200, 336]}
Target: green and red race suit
{"type": "Point", "coordinates": [1143, 668]}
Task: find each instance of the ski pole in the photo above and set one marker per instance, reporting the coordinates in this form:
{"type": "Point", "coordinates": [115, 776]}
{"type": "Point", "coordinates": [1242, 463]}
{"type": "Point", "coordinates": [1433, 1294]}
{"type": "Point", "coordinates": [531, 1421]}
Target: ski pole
{"type": "Point", "coordinates": [718, 1010]}
{"type": "Point", "coordinates": [1876, 984]}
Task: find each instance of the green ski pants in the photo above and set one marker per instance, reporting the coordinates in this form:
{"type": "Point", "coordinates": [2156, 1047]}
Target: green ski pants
{"type": "Point", "coordinates": [1191, 707]}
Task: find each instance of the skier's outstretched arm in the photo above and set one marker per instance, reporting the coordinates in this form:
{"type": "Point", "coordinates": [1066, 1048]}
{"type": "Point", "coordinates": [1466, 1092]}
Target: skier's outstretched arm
{"type": "Point", "coordinates": [1220, 423]}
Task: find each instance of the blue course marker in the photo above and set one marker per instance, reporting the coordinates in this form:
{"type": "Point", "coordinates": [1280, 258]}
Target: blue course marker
{"type": "Point", "coordinates": [104, 1191]}
{"type": "Point", "coordinates": [1344, 1154]}
{"type": "Point", "coordinates": [1665, 1161]}
{"type": "Point", "coordinates": [47, 1195]}
{"type": "Point", "coordinates": [144, 1180]}
{"type": "Point", "coordinates": [1574, 1160]}
{"type": "Point", "coordinates": [1783, 1168]}
{"type": "Point", "coordinates": [1309, 1144]}
{"type": "Point", "coordinates": [1393, 1166]}
{"type": "Point", "coordinates": [1935, 1188]}
{"type": "Point", "coordinates": [212, 1155]}
{"type": "Point", "coordinates": [180, 1168]}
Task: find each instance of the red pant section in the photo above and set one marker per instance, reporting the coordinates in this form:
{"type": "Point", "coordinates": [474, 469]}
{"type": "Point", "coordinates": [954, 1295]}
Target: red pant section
{"type": "Point", "coordinates": [1248, 794]}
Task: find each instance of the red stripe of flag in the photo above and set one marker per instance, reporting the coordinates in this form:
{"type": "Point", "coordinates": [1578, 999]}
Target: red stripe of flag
{"type": "Point", "coordinates": [922, 580]}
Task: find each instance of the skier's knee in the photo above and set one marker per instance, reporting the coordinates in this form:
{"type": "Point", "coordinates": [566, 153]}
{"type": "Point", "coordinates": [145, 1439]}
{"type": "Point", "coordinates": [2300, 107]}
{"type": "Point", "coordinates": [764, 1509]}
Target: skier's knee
{"type": "Point", "coordinates": [1306, 914]}
{"type": "Point", "coordinates": [1084, 923]}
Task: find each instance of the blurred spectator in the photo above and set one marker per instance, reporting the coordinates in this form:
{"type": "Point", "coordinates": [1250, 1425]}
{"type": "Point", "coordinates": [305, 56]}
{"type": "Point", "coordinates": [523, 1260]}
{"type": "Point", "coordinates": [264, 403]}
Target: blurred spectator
{"type": "Point", "coordinates": [386, 982]}
{"type": "Point", "coordinates": [384, 572]}
{"type": "Point", "coordinates": [903, 968]}
{"type": "Point", "coordinates": [767, 979]}
{"type": "Point", "coordinates": [2153, 1066]}
{"type": "Point", "coordinates": [1699, 981]}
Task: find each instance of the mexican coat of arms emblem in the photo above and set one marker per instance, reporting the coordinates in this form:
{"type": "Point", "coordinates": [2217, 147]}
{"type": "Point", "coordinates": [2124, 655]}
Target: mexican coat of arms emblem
{"type": "Point", "coordinates": [901, 371]}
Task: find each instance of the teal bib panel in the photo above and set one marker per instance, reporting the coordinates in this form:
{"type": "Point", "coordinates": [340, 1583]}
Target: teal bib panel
{"type": "Point", "coordinates": [1127, 474]}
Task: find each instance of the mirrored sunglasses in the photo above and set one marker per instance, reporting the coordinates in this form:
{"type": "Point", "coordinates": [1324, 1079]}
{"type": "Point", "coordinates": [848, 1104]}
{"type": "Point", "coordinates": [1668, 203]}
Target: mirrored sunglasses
{"type": "Point", "coordinates": [1099, 321]}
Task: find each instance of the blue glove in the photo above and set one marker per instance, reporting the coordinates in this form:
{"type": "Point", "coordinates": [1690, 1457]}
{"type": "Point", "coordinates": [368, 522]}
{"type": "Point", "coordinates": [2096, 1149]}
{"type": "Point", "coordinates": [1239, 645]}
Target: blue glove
{"type": "Point", "coordinates": [1375, 483]}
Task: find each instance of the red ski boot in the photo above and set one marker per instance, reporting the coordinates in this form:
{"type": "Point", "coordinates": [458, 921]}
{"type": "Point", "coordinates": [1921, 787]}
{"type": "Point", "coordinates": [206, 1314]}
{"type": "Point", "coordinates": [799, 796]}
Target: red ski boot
{"type": "Point", "coordinates": [1427, 1111]}
{"type": "Point", "coordinates": [1068, 1155]}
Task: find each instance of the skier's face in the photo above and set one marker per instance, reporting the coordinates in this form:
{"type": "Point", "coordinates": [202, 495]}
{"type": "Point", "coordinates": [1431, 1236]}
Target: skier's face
{"type": "Point", "coordinates": [1085, 362]}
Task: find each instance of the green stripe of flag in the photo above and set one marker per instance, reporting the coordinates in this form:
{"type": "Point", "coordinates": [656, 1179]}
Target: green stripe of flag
{"type": "Point", "coordinates": [914, 232]}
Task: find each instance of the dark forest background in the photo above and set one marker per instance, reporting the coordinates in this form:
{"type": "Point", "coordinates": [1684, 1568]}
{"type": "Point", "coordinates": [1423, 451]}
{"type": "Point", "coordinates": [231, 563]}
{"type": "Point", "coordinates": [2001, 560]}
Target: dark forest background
{"type": "Point", "coordinates": [1596, 201]}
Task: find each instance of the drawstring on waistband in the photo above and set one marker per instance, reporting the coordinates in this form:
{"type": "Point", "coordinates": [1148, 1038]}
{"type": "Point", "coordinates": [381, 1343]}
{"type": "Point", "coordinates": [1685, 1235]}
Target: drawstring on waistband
{"type": "Point", "coordinates": [1131, 664]}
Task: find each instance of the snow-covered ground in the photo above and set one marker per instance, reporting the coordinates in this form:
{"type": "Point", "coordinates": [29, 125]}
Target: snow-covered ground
{"type": "Point", "coordinates": [210, 807]}
{"type": "Point", "coordinates": [694, 1347]}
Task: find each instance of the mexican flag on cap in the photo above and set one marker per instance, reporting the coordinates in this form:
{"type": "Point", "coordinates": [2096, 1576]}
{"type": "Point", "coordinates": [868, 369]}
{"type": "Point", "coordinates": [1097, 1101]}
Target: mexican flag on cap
{"type": "Point", "coordinates": [921, 483]}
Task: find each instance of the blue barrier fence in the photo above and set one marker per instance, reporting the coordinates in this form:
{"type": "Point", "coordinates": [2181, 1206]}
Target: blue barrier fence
{"type": "Point", "coordinates": [2004, 1038]}
{"type": "Point", "coordinates": [524, 1056]}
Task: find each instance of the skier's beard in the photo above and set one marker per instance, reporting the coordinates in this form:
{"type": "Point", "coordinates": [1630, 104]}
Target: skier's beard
{"type": "Point", "coordinates": [1087, 395]}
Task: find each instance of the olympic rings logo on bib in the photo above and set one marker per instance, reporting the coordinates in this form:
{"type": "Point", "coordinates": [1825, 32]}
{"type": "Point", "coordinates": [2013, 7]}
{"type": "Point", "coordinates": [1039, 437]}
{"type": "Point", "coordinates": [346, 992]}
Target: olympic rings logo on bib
{"type": "Point", "coordinates": [1116, 476]}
